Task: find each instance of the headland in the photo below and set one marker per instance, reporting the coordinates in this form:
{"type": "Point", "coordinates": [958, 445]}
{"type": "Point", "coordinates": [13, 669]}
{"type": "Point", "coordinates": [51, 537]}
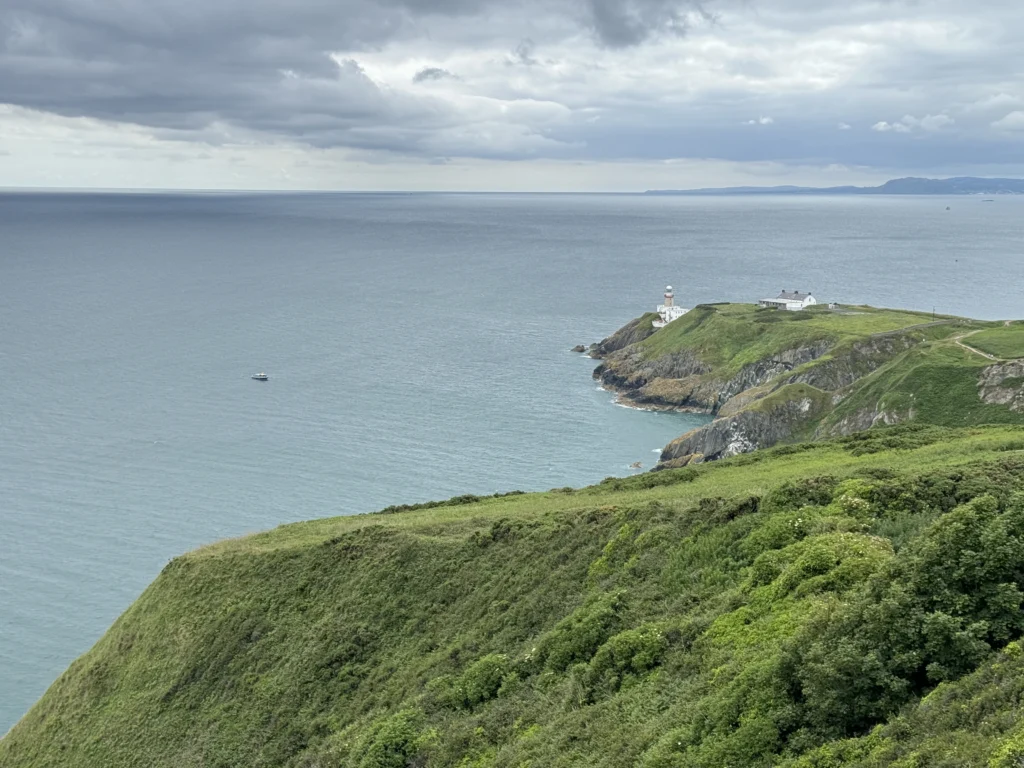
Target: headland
{"type": "Point", "coordinates": [771, 376]}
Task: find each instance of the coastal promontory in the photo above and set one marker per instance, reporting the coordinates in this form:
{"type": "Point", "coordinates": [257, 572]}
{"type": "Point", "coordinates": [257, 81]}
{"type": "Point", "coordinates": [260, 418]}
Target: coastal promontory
{"type": "Point", "coordinates": [771, 376]}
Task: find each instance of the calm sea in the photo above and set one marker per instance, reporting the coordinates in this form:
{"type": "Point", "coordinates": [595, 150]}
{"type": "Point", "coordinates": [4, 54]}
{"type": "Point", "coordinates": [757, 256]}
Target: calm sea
{"type": "Point", "coordinates": [417, 347]}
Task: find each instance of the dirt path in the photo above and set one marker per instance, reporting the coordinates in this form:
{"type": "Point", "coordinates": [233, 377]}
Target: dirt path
{"type": "Point", "coordinates": [986, 355]}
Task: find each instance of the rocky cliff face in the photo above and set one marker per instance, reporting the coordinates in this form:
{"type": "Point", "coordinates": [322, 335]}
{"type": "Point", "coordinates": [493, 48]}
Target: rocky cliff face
{"type": "Point", "coordinates": [752, 412]}
{"type": "Point", "coordinates": [746, 431]}
{"type": "Point", "coordinates": [1003, 384]}
{"type": "Point", "coordinates": [865, 418]}
{"type": "Point", "coordinates": [683, 380]}
{"type": "Point", "coordinates": [846, 366]}
{"type": "Point", "coordinates": [764, 371]}
{"type": "Point", "coordinates": [672, 378]}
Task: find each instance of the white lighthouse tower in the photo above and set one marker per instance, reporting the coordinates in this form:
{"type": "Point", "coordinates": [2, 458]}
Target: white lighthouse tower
{"type": "Point", "coordinates": [668, 311]}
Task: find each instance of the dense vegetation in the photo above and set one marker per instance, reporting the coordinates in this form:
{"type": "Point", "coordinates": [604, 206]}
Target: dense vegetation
{"type": "Point", "coordinates": [855, 602]}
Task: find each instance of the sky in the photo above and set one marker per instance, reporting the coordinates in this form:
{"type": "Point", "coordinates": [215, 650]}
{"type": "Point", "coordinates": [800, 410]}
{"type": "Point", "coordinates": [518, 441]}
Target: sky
{"type": "Point", "coordinates": [492, 95]}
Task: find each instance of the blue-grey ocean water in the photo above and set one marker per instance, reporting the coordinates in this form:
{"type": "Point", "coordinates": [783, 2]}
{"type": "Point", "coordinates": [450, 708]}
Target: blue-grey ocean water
{"type": "Point", "coordinates": [417, 348]}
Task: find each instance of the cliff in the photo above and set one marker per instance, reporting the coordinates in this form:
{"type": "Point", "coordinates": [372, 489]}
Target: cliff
{"type": "Point", "coordinates": [632, 332]}
{"type": "Point", "coordinates": [772, 377]}
{"type": "Point", "coordinates": [855, 602]}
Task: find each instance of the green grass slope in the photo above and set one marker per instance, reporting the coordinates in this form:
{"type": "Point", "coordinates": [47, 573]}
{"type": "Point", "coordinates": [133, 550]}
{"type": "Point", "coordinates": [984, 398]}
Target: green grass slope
{"type": "Point", "coordinates": [729, 336]}
{"type": "Point", "coordinates": [1006, 342]}
{"type": "Point", "coordinates": [937, 382]}
{"type": "Point", "coordinates": [855, 602]}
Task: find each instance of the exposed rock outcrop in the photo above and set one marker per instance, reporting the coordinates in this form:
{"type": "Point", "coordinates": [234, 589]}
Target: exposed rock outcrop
{"type": "Point", "coordinates": [769, 377]}
{"type": "Point", "coordinates": [756, 407]}
{"type": "Point", "coordinates": [669, 380]}
{"type": "Point", "coordinates": [763, 371]}
{"type": "Point", "coordinates": [1003, 384]}
{"type": "Point", "coordinates": [773, 421]}
{"type": "Point", "coordinates": [847, 365]}
{"type": "Point", "coordinates": [683, 380]}
{"type": "Point", "coordinates": [865, 418]}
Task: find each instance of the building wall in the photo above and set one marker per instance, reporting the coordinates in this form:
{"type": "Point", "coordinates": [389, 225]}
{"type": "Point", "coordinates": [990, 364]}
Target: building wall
{"type": "Point", "coordinates": [792, 306]}
{"type": "Point", "coordinates": [668, 314]}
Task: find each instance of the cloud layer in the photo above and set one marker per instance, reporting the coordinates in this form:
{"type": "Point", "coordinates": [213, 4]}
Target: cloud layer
{"type": "Point", "coordinates": [902, 85]}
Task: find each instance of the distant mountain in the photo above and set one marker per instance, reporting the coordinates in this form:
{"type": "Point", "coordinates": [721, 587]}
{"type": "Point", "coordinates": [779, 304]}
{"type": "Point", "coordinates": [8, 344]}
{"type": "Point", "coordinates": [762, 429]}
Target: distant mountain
{"type": "Point", "coordinates": [961, 185]}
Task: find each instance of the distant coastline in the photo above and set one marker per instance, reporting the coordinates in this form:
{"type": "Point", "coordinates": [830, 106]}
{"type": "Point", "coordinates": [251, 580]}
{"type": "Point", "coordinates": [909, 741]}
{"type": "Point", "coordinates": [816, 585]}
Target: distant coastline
{"type": "Point", "coordinates": [961, 185]}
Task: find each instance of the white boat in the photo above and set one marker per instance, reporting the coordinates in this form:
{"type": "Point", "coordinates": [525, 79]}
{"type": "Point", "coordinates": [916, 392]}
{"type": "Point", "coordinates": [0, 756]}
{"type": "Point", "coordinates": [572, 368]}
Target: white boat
{"type": "Point", "coordinates": [260, 376]}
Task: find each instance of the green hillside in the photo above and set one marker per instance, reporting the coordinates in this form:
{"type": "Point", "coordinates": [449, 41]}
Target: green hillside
{"type": "Point", "coordinates": [728, 336]}
{"type": "Point", "coordinates": [772, 376]}
{"type": "Point", "coordinates": [1004, 342]}
{"type": "Point", "coordinates": [852, 602]}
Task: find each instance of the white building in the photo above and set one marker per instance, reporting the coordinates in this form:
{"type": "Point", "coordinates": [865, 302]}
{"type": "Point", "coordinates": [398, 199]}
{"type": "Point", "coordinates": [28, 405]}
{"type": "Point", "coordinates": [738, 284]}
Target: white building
{"type": "Point", "coordinates": [791, 300]}
{"type": "Point", "coordinates": [669, 311]}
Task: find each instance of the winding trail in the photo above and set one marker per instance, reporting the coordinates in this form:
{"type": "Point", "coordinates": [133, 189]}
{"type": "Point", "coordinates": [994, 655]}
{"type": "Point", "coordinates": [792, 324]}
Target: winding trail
{"type": "Point", "coordinates": [986, 355]}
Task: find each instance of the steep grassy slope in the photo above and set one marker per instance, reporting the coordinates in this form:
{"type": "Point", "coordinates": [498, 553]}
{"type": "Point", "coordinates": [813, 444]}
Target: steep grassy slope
{"type": "Point", "coordinates": [854, 602]}
{"type": "Point", "coordinates": [775, 376]}
{"type": "Point", "coordinates": [934, 383]}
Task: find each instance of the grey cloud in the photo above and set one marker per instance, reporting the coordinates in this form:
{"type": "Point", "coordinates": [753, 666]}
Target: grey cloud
{"type": "Point", "coordinates": [228, 70]}
{"type": "Point", "coordinates": [523, 53]}
{"type": "Point", "coordinates": [623, 23]}
{"type": "Point", "coordinates": [237, 71]}
{"type": "Point", "coordinates": [183, 66]}
{"type": "Point", "coordinates": [220, 70]}
{"type": "Point", "coordinates": [431, 73]}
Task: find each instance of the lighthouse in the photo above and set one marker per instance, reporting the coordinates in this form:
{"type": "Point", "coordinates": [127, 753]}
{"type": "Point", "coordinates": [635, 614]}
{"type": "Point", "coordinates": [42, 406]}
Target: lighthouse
{"type": "Point", "coordinates": [668, 311]}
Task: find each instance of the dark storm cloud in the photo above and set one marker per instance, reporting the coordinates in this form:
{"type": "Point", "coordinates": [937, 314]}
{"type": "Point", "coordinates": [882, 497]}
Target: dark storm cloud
{"type": "Point", "coordinates": [218, 69]}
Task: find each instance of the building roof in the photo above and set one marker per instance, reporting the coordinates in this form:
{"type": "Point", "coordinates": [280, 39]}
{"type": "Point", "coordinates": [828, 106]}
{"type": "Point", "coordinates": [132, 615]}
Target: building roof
{"type": "Point", "coordinates": [793, 295]}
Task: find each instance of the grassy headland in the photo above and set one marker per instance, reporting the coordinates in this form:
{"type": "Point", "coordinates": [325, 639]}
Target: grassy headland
{"type": "Point", "coordinates": [852, 602]}
{"type": "Point", "coordinates": [729, 336]}
{"type": "Point", "coordinates": [786, 376]}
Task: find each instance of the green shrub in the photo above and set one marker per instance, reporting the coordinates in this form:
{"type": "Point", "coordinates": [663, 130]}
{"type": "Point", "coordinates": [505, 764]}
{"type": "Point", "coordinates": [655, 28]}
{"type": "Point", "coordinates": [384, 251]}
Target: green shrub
{"type": "Point", "coordinates": [899, 437]}
{"type": "Point", "coordinates": [484, 677]}
{"type": "Point", "coordinates": [576, 638]}
{"type": "Point", "coordinates": [931, 615]}
{"type": "Point", "coordinates": [394, 741]}
{"type": "Point", "coordinates": [478, 683]}
{"type": "Point", "coordinates": [812, 491]}
{"type": "Point", "coordinates": [624, 656]}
